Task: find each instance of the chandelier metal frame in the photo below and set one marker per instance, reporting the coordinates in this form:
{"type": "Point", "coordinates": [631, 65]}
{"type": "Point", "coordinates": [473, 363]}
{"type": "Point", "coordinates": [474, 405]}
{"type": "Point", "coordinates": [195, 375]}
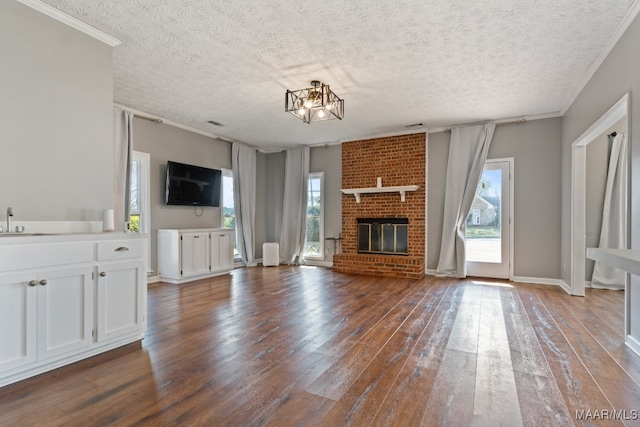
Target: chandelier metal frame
{"type": "Point", "coordinates": [314, 104]}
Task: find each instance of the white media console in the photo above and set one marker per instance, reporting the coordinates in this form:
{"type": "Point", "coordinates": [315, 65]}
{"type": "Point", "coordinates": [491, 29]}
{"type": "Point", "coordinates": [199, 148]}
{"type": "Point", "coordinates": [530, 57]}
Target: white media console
{"type": "Point", "coordinates": [185, 255]}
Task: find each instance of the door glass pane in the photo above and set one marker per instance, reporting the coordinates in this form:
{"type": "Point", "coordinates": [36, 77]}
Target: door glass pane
{"type": "Point", "coordinates": [484, 223]}
{"type": "Point", "coordinates": [313, 245]}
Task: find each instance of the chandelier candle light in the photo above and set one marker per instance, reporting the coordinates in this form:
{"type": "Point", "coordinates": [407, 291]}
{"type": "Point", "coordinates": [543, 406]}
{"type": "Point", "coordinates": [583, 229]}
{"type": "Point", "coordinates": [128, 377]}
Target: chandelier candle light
{"type": "Point", "coordinates": [314, 104]}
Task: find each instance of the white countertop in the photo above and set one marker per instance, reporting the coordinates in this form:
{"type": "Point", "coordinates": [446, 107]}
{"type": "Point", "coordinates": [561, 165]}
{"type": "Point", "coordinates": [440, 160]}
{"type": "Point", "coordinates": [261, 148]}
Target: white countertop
{"type": "Point", "coordinates": [624, 259]}
{"type": "Point", "coordinates": [20, 238]}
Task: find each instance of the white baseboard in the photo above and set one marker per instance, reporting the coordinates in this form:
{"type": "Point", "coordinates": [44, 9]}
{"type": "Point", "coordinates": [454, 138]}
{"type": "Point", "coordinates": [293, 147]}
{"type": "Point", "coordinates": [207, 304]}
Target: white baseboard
{"type": "Point", "coordinates": [539, 281]}
{"type": "Point", "coordinates": [633, 344]}
{"type": "Point", "coordinates": [565, 286]}
{"type": "Point", "coordinates": [318, 263]}
{"type": "Point", "coordinates": [523, 279]}
{"type": "Point", "coordinates": [153, 279]}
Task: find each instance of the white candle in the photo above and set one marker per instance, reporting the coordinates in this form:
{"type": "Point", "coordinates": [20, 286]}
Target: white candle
{"type": "Point", "coordinates": [107, 220]}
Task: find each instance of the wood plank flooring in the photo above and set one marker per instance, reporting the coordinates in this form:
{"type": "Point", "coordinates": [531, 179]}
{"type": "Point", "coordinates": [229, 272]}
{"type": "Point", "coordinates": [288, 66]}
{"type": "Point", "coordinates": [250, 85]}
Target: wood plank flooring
{"type": "Point", "coordinates": [306, 346]}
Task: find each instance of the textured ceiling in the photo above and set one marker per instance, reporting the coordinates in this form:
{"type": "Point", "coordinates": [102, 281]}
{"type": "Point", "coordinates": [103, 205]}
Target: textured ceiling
{"type": "Point", "coordinates": [395, 63]}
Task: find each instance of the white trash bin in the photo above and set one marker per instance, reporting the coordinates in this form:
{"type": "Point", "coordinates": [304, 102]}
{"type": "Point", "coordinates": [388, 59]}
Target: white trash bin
{"type": "Point", "coordinates": [270, 254]}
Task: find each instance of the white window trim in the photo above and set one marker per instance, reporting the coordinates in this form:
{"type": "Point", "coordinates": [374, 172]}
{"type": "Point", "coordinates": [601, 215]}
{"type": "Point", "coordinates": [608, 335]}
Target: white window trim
{"type": "Point", "coordinates": [228, 173]}
{"type": "Point", "coordinates": [322, 203]}
{"type": "Point", "coordinates": [144, 202]}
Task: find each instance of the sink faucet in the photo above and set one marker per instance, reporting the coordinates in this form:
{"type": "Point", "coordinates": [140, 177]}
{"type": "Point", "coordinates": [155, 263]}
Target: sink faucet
{"type": "Point", "coordinates": [9, 215]}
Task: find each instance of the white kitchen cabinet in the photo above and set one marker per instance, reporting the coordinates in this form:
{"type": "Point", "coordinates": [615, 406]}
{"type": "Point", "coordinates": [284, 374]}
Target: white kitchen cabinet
{"type": "Point", "coordinates": [65, 311]}
{"type": "Point", "coordinates": [18, 320]}
{"type": "Point", "coordinates": [190, 254]}
{"type": "Point", "coordinates": [44, 314]}
{"type": "Point", "coordinates": [56, 308]}
{"type": "Point", "coordinates": [120, 299]}
{"type": "Point", "coordinates": [221, 250]}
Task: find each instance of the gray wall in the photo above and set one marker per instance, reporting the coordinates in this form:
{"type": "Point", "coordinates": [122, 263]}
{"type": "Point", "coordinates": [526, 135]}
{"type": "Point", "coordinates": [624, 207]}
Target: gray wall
{"type": "Point", "coordinates": [163, 143]}
{"type": "Point", "coordinates": [270, 194]}
{"type": "Point", "coordinates": [618, 75]}
{"type": "Point", "coordinates": [535, 147]}
{"type": "Point", "coordinates": [56, 157]}
{"type": "Point", "coordinates": [262, 186]}
{"type": "Point", "coordinates": [328, 159]}
{"type": "Point", "coordinates": [274, 180]}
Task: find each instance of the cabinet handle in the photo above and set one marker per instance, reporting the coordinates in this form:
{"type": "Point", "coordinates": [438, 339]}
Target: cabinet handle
{"type": "Point", "coordinates": [33, 283]}
{"type": "Point", "coordinates": [196, 237]}
{"type": "Point", "coordinates": [122, 249]}
{"type": "Point", "coordinates": [43, 282]}
{"type": "Point", "coordinates": [103, 273]}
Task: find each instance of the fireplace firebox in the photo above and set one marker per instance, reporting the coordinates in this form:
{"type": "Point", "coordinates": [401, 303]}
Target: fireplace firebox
{"type": "Point", "coordinates": [383, 236]}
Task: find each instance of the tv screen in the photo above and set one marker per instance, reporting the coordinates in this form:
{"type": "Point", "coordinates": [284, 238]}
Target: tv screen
{"type": "Point", "coordinates": [192, 185]}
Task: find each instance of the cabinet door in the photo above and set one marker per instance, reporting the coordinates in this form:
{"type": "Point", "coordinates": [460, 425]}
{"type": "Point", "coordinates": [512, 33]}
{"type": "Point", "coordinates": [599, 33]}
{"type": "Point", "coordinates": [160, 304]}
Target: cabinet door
{"type": "Point", "coordinates": [226, 250]}
{"type": "Point", "coordinates": [221, 251]}
{"type": "Point", "coordinates": [121, 288]}
{"type": "Point", "coordinates": [194, 254]}
{"type": "Point", "coordinates": [18, 315]}
{"type": "Point", "coordinates": [216, 262]}
{"type": "Point", "coordinates": [65, 311]}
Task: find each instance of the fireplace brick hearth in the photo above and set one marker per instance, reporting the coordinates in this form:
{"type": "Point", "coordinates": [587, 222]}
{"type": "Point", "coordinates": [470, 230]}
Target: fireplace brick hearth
{"type": "Point", "coordinates": [398, 161]}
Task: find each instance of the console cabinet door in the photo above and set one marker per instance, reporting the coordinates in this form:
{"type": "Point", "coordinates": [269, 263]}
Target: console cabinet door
{"type": "Point", "coordinates": [65, 311]}
{"type": "Point", "coordinates": [121, 288]}
{"type": "Point", "coordinates": [194, 254]}
{"type": "Point", "coordinates": [18, 316]}
{"type": "Point", "coordinates": [221, 251]}
{"type": "Point", "coordinates": [226, 250]}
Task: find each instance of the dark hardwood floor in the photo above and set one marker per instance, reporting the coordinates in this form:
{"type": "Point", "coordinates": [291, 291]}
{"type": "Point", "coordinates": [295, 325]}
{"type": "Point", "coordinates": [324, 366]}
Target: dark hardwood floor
{"type": "Point", "coordinates": [307, 346]}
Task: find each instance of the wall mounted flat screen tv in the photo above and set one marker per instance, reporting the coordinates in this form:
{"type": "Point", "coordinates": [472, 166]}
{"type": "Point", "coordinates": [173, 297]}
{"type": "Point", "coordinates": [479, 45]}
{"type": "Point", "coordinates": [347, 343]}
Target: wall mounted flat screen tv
{"type": "Point", "coordinates": [192, 185]}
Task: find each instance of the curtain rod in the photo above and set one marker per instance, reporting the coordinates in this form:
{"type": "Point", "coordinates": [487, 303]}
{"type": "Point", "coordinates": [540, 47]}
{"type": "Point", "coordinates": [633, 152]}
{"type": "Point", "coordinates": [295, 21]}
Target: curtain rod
{"type": "Point", "coordinates": [151, 119]}
{"type": "Point", "coordinates": [508, 122]}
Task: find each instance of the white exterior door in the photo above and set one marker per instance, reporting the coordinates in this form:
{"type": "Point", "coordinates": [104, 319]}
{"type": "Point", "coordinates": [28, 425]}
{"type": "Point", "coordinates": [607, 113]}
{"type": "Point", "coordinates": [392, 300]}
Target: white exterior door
{"type": "Point", "coordinates": [488, 227]}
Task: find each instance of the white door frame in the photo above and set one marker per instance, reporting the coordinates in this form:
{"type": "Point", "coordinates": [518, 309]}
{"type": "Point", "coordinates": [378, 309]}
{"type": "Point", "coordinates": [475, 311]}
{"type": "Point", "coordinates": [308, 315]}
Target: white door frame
{"type": "Point", "coordinates": [579, 190]}
{"type": "Point", "coordinates": [510, 206]}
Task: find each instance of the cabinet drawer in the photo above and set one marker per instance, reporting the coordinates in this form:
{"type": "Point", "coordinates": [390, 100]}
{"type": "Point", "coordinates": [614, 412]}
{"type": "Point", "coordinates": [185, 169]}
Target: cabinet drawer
{"type": "Point", "coordinates": [18, 257]}
{"type": "Point", "coordinates": [120, 250]}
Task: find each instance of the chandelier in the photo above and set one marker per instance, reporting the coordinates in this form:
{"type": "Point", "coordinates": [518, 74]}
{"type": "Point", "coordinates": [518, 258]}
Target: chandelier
{"type": "Point", "coordinates": [314, 104]}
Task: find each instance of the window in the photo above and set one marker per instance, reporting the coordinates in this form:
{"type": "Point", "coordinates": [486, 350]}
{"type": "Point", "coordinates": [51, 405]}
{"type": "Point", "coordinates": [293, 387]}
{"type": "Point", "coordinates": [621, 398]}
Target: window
{"type": "Point", "coordinates": [139, 221]}
{"type": "Point", "coordinates": [139, 211]}
{"type": "Point", "coordinates": [228, 212]}
{"type": "Point", "coordinates": [314, 243]}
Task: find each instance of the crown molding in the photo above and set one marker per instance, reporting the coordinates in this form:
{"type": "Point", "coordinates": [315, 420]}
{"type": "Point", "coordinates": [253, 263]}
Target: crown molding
{"type": "Point", "coordinates": [140, 113]}
{"type": "Point", "coordinates": [54, 13]}
{"type": "Point", "coordinates": [632, 13]}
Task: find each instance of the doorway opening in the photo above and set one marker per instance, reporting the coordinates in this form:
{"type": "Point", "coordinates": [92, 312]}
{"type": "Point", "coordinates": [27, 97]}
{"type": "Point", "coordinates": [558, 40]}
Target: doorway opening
{"type": "Point", "coordinates": [488, 229]}
{"type": "Point", "coordinates": [579, 192]}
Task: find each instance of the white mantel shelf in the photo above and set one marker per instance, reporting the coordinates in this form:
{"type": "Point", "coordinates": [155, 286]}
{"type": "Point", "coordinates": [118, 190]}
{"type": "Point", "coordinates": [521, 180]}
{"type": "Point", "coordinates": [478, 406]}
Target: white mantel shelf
{"type": "Point", "coordinates": [624, 259]}
{"type": "Point", "coordinates": [400, 189]}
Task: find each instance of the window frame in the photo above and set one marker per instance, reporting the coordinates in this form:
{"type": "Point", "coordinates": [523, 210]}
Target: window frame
{"type": "Point", "coordinates": [321, 256]}
{"type": "Point", "coordinates": [144, 194]}
{"type": "Point", "coordinates": [228, 173]}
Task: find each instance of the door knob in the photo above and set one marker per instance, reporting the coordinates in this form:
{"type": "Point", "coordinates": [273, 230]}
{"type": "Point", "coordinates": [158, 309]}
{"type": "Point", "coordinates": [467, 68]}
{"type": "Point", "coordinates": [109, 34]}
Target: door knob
{"type": "Point", "coordinates": [43, 282]}
{"type": "Point", "coordinates": [33, 283]}
{"type": "Point", "coordinates": [103, 273]}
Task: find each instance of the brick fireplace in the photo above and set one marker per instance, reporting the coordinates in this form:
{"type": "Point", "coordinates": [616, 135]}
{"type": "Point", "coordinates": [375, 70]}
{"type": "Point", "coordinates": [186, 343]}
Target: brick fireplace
{"type": "Point", "coordinates": [398, 161]}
